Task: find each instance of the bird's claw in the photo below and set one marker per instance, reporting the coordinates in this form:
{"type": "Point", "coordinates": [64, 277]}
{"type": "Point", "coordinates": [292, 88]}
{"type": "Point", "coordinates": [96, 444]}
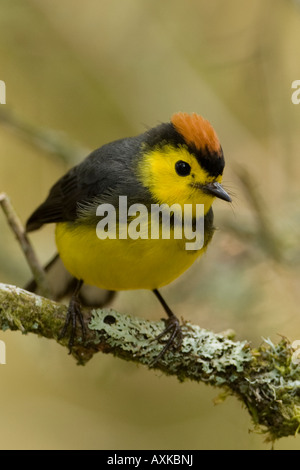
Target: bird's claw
{"type": "Point", "coordinates": [173, 328]}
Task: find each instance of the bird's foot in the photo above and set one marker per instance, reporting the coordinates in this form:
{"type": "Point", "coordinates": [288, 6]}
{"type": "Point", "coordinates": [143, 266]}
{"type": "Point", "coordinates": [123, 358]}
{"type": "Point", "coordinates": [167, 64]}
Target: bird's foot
{"type": "Point", "coordinates": [173, 329]}
{"type": "Point", "coordinates": [73, 314]}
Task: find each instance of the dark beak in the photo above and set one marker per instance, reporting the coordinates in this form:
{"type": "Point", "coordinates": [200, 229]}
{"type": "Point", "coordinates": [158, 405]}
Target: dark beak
{"type": "Point", "coordinates": [217, 190]}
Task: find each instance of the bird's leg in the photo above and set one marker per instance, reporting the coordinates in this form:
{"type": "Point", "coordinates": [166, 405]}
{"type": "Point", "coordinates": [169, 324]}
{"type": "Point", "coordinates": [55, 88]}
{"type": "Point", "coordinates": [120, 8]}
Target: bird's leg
{"type": "Point", "coordinates": [74, 312]}
{"type": "Point", "coordinates": [172, 327]}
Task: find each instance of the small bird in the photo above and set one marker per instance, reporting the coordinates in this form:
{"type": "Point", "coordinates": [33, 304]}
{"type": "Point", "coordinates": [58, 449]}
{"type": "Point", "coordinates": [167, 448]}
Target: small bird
{"type": "Point", "coordinates": [177, 163]}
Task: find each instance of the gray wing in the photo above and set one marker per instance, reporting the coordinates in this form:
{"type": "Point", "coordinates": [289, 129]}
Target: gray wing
{"type": "Point", "coordinates": [105, 172]}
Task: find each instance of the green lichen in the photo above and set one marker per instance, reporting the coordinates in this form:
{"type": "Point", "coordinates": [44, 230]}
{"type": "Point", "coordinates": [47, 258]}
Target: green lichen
{"type": "Point", "coordinates": [273, 392]}
{"type": "Point", "coordinates": [125, 332]}
{"type": "Point", "coordinates": [265, 379]}
{"type": "Point", "coordinates": [202, 355]}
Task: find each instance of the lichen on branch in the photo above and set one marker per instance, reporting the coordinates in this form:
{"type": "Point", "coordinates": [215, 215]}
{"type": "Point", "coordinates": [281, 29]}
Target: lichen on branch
{"type": "Point", "coordinates": [266, 379]}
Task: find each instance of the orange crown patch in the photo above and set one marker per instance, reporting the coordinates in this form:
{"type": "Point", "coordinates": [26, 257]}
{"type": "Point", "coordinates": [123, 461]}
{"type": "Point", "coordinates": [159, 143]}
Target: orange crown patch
{"type": "Point", "coordinates": [196, 130]}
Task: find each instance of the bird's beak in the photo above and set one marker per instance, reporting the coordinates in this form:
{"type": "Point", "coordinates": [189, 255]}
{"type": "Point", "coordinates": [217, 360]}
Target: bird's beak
{"type": "Point", "coordinates": [217, 190]}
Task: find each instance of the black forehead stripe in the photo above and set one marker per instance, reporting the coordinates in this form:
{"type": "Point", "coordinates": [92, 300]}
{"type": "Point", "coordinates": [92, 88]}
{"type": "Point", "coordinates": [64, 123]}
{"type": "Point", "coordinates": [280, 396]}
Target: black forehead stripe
{"type": "Point", "coordinates": [212, 162]}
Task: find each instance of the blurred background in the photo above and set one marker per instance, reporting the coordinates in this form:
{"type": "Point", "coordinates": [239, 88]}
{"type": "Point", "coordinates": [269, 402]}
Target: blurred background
{"type": "Point", "coordinates": [80, 74]}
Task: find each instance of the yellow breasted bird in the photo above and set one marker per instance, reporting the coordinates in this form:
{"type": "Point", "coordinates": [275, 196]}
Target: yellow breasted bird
{"type": "Point", "coordinates": [179, 162]}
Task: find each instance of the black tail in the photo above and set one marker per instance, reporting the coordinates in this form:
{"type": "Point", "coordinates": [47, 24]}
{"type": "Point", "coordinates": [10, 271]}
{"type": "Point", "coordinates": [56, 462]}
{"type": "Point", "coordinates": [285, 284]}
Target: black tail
{"type": "Point", "coordinates": [62, 284]}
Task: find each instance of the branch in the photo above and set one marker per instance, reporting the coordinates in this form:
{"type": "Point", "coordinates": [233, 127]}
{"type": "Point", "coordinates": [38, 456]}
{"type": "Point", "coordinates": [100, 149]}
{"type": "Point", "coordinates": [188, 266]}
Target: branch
{"type": "Point", "coordinates": [19, 231]}
{"type": "Point", "coordinates": [264, 233]}
{"type": "Point", "coordinates": [266, 380]}
{"type": "Point", "coordinates": [51, 141]}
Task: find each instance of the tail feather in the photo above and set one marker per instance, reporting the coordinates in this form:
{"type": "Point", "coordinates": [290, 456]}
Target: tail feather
{"type": "Point", "coordinates": [62, 284]}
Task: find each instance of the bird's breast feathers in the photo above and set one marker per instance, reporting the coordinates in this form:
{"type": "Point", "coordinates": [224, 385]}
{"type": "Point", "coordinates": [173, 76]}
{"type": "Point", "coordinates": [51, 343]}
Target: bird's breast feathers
{"type": "Point", "coordinates": [134, 261]}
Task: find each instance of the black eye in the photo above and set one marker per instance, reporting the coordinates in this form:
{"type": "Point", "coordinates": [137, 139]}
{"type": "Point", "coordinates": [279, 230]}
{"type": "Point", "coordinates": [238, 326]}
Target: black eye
{"type": "Point", "coordinates": [182, 168]}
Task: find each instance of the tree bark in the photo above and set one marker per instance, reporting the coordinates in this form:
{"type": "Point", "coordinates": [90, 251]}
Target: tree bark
{"type": "Point", "coordinates": [266, 379]}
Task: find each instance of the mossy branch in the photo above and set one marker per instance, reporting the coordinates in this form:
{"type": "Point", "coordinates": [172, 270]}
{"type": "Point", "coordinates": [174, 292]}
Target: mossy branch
{"type": "Point", "coordinates": [266, 380]}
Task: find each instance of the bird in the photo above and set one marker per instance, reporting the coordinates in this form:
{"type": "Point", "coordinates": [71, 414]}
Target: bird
{"type": "Point", "coordinates": [173, 164]}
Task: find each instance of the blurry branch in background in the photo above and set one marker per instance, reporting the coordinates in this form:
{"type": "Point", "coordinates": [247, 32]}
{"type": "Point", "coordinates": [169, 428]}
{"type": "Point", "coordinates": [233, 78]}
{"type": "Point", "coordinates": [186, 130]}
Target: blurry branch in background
{"type": "Point", "coordinates": [19, 231]}
{"type": "Point", "coordinates": [51, 141]}
{"type": "Point", "coordinates": [269, 241]}
{"type": "Point", "coordinates": [266, 379]}
{"type": "Point", "coordinates": [263, 234]}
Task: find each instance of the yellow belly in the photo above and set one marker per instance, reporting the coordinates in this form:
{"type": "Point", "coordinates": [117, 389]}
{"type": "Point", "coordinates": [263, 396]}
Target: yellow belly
{"type": "Point", "coordinates": [121, 264]}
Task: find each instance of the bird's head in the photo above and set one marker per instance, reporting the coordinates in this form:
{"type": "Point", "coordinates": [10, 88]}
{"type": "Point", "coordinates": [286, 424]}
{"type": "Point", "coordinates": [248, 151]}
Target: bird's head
{"type": "Point", "coordinates": [182, 162]}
